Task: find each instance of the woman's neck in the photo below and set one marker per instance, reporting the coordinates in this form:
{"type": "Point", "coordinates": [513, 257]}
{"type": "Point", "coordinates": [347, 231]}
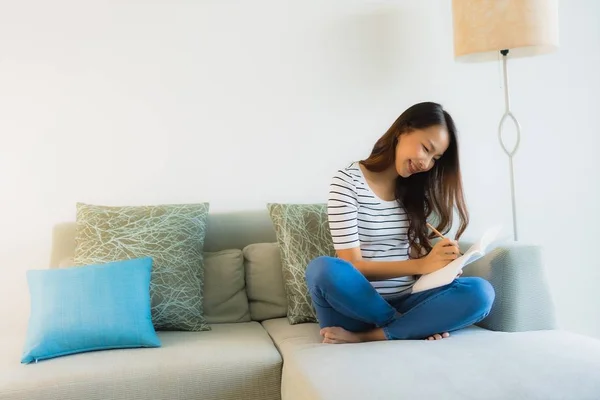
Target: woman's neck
{"type": "Point", "coordinates": [385, 177]}
{"type": "Point", "coordinates": [383, 183]}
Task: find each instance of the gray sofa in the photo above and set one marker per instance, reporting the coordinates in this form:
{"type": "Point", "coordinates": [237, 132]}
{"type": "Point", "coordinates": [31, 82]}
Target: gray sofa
{"type": "Point", "coordinates": [253, 352]}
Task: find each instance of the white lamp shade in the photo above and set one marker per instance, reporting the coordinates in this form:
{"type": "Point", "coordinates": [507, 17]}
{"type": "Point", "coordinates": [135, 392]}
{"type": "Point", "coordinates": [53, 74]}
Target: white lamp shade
{"type": "Point", "coordinates": [484, 27]}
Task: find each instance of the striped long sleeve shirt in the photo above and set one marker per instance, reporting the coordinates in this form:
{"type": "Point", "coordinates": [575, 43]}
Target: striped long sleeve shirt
{"type": "Point", "coordinates": [358, 218]}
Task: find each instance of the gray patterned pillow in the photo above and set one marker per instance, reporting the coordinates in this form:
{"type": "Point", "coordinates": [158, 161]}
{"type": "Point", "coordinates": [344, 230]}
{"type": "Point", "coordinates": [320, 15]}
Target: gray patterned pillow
{"type": "Point", "coordinates": [173, 235]}
{"type": "Point", "coordinates": [302, 234]}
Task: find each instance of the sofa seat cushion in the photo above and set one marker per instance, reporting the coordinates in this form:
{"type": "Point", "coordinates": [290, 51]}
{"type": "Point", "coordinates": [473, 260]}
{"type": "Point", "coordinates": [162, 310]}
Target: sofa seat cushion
{"type": "Point", "coordinates": [473, 363]}
{"type": "Point", "coordinates": [232, 361]}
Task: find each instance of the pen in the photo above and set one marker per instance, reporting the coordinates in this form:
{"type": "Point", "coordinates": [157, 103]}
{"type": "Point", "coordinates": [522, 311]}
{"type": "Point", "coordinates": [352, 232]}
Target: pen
{"type": "Point", "coordinates": [440, 235]}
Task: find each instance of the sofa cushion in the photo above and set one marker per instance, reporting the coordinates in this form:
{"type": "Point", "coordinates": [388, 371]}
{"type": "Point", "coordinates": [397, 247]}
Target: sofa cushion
{"type": "Point", "coordinates": [232, 361]}
{"type": "Point", "coordinates": [302, 234]}
{"type": "Point", "coordinates": [225, 298]}
{"type": "Point", "coordinates": [95, 307]}
{"type": "Point", "coordinates": [264, 281]}
{"type": "Point", "coordinates": [473, 363]}
{"type": "Point", "coordinates": [173, 235]}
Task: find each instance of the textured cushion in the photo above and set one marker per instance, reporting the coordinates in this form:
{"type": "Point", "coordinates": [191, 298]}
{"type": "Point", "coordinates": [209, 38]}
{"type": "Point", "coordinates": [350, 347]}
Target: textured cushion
{"type": "Point", "coordinates": [518, 275]}
{"type": "Point", "coordinates": [231, 362]}
{"type": "Point", "coordinates": [473, 363]}
{"type": "Point", "coordinates": [173, 235]}
{"type": "Point", "coordinates": [225, 297]}
{"type": "Point", "coordinates": [95, 307]}
{"type": "Point", "coordinates": [264, 281]}
{"type": "Point", "coordinates": [302, 234]}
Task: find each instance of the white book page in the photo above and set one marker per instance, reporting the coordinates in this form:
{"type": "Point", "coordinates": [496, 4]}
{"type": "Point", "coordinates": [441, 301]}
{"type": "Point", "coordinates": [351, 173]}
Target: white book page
{"type": "Point", "coordinates": [447, 274]}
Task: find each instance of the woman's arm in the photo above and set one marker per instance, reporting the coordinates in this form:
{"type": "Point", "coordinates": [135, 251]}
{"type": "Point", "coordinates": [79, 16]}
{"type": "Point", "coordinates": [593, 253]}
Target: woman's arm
{"type": "Point", "coordinates": [443, 252]}
{"type": "Point", "coordinates": [380, 270]}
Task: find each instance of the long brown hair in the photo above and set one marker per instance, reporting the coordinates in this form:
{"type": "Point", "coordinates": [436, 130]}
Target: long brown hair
{"type": "Point", "coordinates": [427, 196]}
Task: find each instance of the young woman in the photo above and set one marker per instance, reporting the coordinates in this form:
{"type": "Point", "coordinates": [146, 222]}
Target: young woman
{"type": "Point", "coordinates": [378, 210]}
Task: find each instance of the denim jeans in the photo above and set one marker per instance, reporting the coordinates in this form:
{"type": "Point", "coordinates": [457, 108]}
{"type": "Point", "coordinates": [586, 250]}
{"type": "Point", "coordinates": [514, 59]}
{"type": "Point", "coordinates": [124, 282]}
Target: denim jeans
{"type": "Point", "coordinates": [343, 297]}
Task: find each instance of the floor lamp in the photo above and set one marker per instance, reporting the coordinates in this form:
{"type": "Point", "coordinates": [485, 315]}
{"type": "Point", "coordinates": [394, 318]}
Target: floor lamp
{"type": "Point", "coordinates": [485, 30]}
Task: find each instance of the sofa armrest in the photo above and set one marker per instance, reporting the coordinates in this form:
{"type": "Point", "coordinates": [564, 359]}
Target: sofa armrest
{"type": "Point", "coordinates": [523, 301]}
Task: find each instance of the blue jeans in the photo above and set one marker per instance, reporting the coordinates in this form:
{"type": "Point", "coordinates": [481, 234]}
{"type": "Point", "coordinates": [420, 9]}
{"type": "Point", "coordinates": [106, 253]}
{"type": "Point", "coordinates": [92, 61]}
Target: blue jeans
{"type": "Point", "coordinates": [343, 297]}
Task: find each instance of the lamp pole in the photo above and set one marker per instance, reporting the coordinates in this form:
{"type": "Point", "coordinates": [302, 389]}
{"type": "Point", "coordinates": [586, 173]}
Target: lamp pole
{"type": "Point", "coordinates": [509, 152]}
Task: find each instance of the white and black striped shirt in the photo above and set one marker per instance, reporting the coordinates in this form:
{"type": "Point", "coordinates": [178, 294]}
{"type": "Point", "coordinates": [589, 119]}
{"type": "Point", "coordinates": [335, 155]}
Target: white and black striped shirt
{"type": "Point", "coordinates": [358, 218]}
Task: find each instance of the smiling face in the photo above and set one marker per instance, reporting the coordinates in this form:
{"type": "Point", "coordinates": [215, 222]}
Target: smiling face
{"type": "Point", "coordinates": [418, 150]}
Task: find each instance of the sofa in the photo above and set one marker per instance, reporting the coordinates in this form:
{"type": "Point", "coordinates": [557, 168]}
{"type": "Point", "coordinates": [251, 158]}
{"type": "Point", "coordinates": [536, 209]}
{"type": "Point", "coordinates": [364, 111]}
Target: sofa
{"type": "Point", "coordinates": [253, 352]}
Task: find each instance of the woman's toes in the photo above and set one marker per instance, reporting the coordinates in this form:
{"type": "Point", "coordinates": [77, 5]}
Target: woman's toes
{"type": "Point", "coordinates": [331, 340]}
{"type": "Point", "coordinates": [437, 336]}
{"type": "Point", "coordinates": [328, 331]}
{"type": "Point", "coordinates": [329, 335]}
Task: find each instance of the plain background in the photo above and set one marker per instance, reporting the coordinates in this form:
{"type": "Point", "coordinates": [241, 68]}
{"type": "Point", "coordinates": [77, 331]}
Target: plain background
{"type": "Point", "coordinates": [241, 103]}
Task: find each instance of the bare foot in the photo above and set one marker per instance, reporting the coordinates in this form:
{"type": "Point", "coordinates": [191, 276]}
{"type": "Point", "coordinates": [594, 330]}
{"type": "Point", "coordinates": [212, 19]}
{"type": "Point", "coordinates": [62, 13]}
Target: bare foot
{"type": "Point", "coordinates": [337, 335]}
{"type": "Point", "coordinates": [437, 336]}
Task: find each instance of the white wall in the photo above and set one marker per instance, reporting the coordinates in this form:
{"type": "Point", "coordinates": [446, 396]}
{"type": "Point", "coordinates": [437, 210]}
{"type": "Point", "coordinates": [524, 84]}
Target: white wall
{"type": "Point", "coordinates": [238, 103]}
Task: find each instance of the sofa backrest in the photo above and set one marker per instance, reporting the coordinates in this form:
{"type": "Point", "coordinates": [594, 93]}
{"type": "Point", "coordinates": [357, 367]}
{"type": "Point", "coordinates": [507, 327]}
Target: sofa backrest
{"type": "Point", "coordinates": [243, 277]}
{"type": "Point", "coordinates": [233, 230]}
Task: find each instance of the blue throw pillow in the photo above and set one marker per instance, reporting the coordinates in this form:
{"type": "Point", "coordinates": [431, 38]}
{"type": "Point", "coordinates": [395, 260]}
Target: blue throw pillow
{"type": "Point", "coordinates": [93, 307]}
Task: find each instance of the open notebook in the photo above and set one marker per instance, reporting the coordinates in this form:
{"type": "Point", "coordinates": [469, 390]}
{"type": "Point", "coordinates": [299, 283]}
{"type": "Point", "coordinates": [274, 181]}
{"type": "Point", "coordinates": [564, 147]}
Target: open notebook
{"type": "Point", "coordinates": [447, 274]}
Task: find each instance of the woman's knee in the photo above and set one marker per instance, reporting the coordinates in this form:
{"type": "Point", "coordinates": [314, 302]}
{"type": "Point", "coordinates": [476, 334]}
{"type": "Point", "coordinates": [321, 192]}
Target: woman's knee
{"type": "Point", "coordinates": [480, 294]}
{"type": "Point", "coordinates": [324, 271]}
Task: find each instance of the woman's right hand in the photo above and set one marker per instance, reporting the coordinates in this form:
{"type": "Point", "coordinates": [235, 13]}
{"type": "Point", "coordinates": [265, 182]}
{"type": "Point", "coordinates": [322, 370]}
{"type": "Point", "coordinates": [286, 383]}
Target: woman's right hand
{"type": "Point", "coordinates": [440, 255]}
